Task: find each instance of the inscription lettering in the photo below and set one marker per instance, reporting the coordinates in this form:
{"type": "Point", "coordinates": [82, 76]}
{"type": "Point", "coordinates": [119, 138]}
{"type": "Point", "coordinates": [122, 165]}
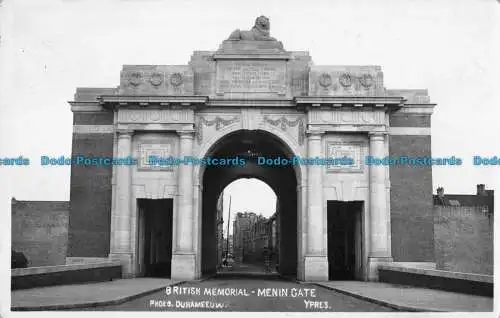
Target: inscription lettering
{"type": "Point", "coordinates": [152, 116]}
{"type": "Point", "coordinates": [248, 77]}
{"type": "Point", "coordinates": [348, 117]}
{"type": "Point", "coordinates": [251, 77]}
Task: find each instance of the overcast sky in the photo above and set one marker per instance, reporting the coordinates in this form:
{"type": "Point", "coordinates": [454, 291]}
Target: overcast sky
{"type": "Point", "coordinates": [51, 47]}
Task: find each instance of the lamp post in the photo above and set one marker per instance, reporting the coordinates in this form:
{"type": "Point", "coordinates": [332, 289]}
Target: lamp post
{"type": "Point", "coordinates": [228, 221]}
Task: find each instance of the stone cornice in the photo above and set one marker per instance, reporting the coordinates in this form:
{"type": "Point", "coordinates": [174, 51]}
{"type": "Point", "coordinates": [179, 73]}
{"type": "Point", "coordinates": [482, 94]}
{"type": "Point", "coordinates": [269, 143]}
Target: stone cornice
{"type": "Point", "coordinates": [115, 101]}
{"type": "Point", "coordinates": [353, 101]}
{"type": "Point", "coordinates": [250, 56]}
{"type": "Point", "coordinates": [88, 106]}
{"type": "Point", "coordinates": [215, 102]}
{"type": "Point", "coordinates": [417, 109]}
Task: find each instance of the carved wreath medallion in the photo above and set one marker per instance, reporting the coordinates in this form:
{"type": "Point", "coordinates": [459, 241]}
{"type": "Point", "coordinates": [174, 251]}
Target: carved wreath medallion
{"type": "Point", "coordinates": [176, 79]}
{"type": "Point", "coordinates": [156, 79]}
{"type": "Point", "coordinates": [366, 80]}
{"type": "Point", "coordinates": [135, 78]}
{"type": "Point", "coordinates": [345, 80]}
{"type": "Point", "coordinates": [325, 80]}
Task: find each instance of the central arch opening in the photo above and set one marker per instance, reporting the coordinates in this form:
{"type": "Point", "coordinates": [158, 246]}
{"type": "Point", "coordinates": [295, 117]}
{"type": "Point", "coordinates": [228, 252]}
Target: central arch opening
{"type": "Point", "coordinates": [248, 229]}
{"type": "Point", "coordinates": [282, 224]}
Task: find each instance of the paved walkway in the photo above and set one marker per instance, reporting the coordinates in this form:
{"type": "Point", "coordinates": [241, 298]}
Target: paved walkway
{"type": "Point", "coordinates": [409, 298]}
{"type": "Point", "coordinates": [85, 295]}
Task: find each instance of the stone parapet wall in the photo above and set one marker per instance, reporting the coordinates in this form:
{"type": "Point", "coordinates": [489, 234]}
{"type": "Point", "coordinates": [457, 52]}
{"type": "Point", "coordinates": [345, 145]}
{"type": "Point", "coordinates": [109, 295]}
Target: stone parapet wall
{"type": "Point", "coordinates": [40, 231]}
{"type": "Point", "coordinates": [345, 80]}
{"type": "Point", "coordinates": [156, 80]}
{"type": "Point", "coordinates": [412, 96]}
{"type": "Point", "coordinates": [23, 278]}
{"type": "Point", "coordinates": [466, 283]}
{"type": "Point", "coordinates": [90, 94]}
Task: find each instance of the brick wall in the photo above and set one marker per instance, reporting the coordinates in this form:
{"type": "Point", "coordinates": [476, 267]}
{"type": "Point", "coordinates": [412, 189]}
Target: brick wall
{"type": "Point", "coordinates": [90, 197]}
{"type": "Point", "coordinates": [40, 231]}
{"type": "Point", "coordinates": [412, 223]}
{"type": "Point", "coordinates": [463, 239]}
{"type": "Point", "coordinates": [410, 120]}
{"type": "Point", "coordinates": [90, 186]}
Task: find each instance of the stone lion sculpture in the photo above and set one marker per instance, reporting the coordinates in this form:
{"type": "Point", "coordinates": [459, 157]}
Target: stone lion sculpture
{"type": "Point", "coordinates": [259, 32]}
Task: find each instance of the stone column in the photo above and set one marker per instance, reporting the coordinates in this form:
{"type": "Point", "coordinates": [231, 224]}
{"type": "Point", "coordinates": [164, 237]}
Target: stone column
{"type": "Point", "coordinates": [121, 216]}
{"type": "Point", "coordinates": [379, 216]}
{"type": "Point", "coordinates": [316, 260]}
{"type": "Point", "coordinates": [184, 258]}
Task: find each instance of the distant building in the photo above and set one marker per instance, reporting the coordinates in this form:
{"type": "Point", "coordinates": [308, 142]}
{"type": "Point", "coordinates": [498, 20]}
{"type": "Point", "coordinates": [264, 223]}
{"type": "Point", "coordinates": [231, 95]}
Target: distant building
{"type": "Point", "coordinates": [241, 233]}
{"type": "Point", "coordinates": [257, 240]}
{"type": "Point", "coordinates": [273, 239]}
{"type": "Point", "coordinates": [220, 230]}
{"type": "Point", "coordinates": [463, 231]}
{"type": "Point", "coordinates": [483, 198]}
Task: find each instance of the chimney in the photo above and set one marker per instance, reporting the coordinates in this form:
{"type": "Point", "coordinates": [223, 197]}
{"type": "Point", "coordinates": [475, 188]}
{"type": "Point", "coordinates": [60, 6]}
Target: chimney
{"type": "Point", "coordinates": [440, 192]}
{"type": "Point", "coordinates": [481, 189]}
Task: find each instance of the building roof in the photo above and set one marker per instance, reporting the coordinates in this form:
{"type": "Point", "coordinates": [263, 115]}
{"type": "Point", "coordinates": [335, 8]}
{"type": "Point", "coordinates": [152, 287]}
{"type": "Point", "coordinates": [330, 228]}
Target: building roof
{"type": "Point", "coordinates": [466, 200]}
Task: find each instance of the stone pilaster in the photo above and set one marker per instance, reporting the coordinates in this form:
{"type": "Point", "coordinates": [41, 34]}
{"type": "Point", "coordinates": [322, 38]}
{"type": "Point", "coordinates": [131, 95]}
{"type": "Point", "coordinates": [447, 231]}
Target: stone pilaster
{"type": "Point", "coordinates": [184, 256]}
{"type": "Point", "coordinates": [380, 218]}
{"type": "Point", "coordinates": [198, 190]}
{"type": "Point", "coordinates": [316, 260]}
{"type": "Point", "coordinates": [122, 214]}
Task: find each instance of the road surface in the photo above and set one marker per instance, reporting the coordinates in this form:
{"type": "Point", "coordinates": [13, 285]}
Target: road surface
{"type": "Point", "coordinates": [247, 294]}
